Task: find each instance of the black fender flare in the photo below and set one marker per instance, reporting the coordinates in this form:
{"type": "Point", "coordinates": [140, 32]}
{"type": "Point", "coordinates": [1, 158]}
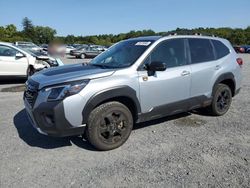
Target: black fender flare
{"type": "Point", "coordinates": [225, 76]}
{"type": "Point", "coordinates": [107, 94]}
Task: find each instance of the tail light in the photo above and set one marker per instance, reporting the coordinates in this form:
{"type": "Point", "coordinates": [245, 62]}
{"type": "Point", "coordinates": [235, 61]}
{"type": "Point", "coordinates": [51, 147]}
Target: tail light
{"type": "Point", "coordinates": [239, 61]}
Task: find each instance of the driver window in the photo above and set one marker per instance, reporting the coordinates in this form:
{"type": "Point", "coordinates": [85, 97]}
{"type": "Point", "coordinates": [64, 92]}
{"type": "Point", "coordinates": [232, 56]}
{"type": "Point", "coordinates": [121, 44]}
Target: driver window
{"type": "Point", "coordinates": [7, 51]}
{"type": "Point", "coordinates": [171, 52]}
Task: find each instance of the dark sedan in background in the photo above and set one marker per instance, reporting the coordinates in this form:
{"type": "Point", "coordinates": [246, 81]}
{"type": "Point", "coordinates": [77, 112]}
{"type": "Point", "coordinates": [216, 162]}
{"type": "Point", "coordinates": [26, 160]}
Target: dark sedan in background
{"type": "Point", "coordinates": [86, 52]}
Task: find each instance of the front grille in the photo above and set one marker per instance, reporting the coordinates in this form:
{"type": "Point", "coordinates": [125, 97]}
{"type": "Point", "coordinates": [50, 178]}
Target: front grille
{"type": "Point", "coordinates": [31, 92]}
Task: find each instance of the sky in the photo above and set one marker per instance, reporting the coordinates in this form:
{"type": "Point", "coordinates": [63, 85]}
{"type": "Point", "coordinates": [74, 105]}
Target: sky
{"type": "Point", "coordinates": [90, 17]}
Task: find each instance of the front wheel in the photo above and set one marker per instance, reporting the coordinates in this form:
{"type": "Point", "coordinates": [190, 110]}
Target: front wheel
{"type": "Point", "coordinates": [82, 56]}
{"type": "Point", "coordinates": [222, 99]}
{"type": "Point", "coordinates": [109, 126]}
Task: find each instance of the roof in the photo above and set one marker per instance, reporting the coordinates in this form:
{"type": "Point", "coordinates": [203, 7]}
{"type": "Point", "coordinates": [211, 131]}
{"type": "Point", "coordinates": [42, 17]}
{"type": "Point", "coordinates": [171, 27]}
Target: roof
{"type": "Point", "coordinates": [155, 38]}
{"type": "Point", "coordinates": [151, 38]}
{"type": "Point", "coordinates": [6, 43]}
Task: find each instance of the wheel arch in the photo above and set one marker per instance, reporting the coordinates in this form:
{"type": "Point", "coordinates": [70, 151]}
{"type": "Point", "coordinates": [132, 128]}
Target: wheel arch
{"type": "Point", "coordinates": [227, 79]}
{"type": "Point", "coordinates": [124, 94]}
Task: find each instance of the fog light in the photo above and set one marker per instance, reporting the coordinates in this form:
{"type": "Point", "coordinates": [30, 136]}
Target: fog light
{"type": "Point", "coordinates": [49, 119]}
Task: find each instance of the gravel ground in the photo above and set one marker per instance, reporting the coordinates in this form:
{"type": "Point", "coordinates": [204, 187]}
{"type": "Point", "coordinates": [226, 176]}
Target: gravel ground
{"type": "Point", "coordinates": [188, 150]}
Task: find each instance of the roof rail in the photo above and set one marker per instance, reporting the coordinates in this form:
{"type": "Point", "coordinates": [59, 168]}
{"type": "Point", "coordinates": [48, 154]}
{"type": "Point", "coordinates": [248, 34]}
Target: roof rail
{"type": "Point", "coordinates": [173, 34]}
{"type": "Point", "coordinates": [196, 34]}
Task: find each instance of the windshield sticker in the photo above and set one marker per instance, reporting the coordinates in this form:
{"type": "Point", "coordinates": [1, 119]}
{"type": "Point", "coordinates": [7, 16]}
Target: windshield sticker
{"type": "Point", "coordinates": [143, 43]}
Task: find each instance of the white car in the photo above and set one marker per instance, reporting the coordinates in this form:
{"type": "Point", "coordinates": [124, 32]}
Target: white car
{"type": "Point", "coordinates": [18, 62]}
{"type": "Point", "coordinates": [29, 45]}
{"type": "Point", "coordinates": [68, 49]}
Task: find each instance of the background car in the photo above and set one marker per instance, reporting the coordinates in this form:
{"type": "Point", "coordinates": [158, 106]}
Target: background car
{"type": "Point", "coordinates": [44, 47]}
{"type": "Point", "coordinates": [239, 49]}
{"type": "Point", "coordinates": [22, 62]}
{"type": "Point", "coordinates": [68, 49]}
{"type": "Point", "coordinates": [29, 45]}
{"type": "Point", "coordinates": [90, 51]}
{"type": "Point", "coordinates": [246, 48]}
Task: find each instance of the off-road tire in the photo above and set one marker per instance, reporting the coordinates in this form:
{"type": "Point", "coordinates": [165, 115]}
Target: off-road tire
{"type": "Point", "coordinates": [97, 125]}
{"type": "Point", "coordinates": [220, 106]}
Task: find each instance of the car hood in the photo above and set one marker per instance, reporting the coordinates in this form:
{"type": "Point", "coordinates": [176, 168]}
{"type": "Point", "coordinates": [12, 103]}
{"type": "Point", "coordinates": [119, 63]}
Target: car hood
{"type": "Point", "coordinates": [68, 73]}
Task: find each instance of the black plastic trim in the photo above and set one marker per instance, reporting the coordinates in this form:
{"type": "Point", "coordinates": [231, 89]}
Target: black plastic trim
{"type": "Point", "coordinates": [175, 108]}
{"type": "Point", "coordinates": [105, 95]}
{"type": "Point", "coordinates": [60, 126]}
{"type": "Point", "coordinates": [237, 91]}
{"type": "Point", "coordinates": [225, 76]}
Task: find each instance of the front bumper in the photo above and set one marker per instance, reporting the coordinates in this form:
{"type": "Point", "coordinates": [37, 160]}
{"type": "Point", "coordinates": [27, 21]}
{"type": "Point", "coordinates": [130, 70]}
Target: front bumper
{"type": "Point", "coordinates": [48, 118]}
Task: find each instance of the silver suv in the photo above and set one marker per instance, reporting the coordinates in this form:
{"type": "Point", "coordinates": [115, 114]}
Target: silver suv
{"type": "Point", "coordinates": [135, 80]}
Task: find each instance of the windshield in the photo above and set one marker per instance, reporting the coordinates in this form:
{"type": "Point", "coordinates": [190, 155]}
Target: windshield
{"type": "Point", "coordinates": [26, 50]}
{"type": "Point", "coordinates": [122, 54]}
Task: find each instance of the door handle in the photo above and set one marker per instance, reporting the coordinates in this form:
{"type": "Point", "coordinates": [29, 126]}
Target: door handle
{"type": "Point", "coordinates": [217, 67]}
{"type": "Point", "coordinates": [185, 73]}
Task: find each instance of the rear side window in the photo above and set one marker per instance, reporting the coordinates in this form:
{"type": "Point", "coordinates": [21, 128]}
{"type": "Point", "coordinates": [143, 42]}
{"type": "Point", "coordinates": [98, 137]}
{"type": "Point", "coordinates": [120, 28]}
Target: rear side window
{"type": "Point", "coordinates": [220, 49]}
{"type": "Point", "coordinates": [201, 50]}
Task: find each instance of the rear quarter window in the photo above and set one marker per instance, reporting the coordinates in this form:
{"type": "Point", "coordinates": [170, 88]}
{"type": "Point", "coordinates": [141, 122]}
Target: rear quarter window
{"type": "Point", "coordinates": [201, 50]}
{"type": "Point", "coordinates": [220, 49]}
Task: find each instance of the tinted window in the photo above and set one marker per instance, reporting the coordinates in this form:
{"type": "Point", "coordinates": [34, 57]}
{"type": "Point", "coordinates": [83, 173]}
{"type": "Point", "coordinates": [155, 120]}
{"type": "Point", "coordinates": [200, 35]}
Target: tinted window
{"type": "Point", "coordinates": [7, 51]}
{"type": "Point", "coordinates": [201, 50]}
{"type": "Point", "coordinates": [171, 52]}
{"type": "Point", "coordinates": [93, 49]}
{"type": "Point", "coordinates": [220, 48]}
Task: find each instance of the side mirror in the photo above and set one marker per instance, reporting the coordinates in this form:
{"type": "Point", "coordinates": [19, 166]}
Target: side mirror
{"type": "Point", "coordinates": [156, 66]}
{"type": "Point", "coordinates": [19, 55]}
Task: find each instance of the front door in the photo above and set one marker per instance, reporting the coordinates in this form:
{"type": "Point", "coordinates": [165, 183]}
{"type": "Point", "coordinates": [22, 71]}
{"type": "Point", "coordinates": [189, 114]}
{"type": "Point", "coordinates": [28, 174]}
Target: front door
{"type": "Point", "coordinates": [169, 88]}
{"type": "Point", "coordinates": [10, 65]}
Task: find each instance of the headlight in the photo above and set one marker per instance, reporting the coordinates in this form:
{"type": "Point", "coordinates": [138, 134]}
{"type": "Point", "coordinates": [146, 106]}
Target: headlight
{"type": "Point", "coordinates": [62, 91]}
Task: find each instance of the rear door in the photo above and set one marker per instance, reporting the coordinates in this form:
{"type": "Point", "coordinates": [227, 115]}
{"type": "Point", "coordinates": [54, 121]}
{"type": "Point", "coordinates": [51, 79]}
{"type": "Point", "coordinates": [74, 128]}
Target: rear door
{"type": "Point", "coordinates": [203, 66]}
{"type": "Point", "coordinates": [10, 64]}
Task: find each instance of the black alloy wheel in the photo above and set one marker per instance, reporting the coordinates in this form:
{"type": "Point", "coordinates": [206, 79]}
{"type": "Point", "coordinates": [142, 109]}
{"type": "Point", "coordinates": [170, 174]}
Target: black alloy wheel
{"type": "Point", "coordinates": [109, 125]}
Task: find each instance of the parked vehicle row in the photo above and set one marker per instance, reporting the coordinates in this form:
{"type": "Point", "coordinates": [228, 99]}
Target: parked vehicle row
{"type": "Point", "coordinates": [21, 61]}
{"type": "Point", "coordinates": [87, 51]}
{"type": "Point", "coordinates": [29, 45]}
{"type": "Point", "coordinates": [242, 49]}
{"type": "Point", "coordinates": [77, 50]}
{"type": "Point", "coordinates": [136, 80]}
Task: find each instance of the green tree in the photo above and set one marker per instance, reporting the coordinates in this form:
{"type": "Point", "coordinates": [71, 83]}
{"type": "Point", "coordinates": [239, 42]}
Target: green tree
{"type": "Point", "coordinates": [43, 35]}
{"type": "Point", "coordinates": [28, 28]}
{"type": "Point", "coordinates": [10, 31]}
{"type": "Point", "coordinates": [27, 25]}
{"type": "Point", "coordinates": [70, 39]}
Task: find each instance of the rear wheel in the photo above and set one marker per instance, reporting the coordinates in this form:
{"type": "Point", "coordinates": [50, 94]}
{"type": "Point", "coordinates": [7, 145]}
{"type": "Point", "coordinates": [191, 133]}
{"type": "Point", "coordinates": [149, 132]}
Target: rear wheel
{"type": "Point", "coordinates": [109, 126]}
{"type": "Point", "coordinates": [222, 99]}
